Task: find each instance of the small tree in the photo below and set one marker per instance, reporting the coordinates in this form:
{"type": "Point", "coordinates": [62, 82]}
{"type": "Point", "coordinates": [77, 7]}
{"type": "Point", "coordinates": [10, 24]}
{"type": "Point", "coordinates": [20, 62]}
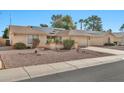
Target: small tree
{"type": "Point", "coordinates": [35, 43]}
{"type": "Point", "coordinates": [43, 25]}
{"type": "Point", "coordinates": [122, 28]}
{"type": "Point", "coordinates": [60, 21]}
{"type": "Point", "coordinates": [5, 34]}
{"type": "Point", "coordinates": [109, 30]}
{"type": "Point", "coordinates": [81, 23]}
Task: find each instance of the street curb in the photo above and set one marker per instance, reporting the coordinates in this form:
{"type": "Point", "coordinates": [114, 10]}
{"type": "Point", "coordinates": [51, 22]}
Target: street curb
{"type": "Point", "coordinates": [15, 74]}
{"type": "Point", "coordinates": [79, 66]}
{"type": "Point", "coordinates": [29, 72]}
{"type": "Point", "coordinates": [2, 65]}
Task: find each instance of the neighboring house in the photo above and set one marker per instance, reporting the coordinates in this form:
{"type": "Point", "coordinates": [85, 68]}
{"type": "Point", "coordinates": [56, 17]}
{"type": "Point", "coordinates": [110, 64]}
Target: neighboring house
{"type": "Point", "coordinates": [119, 38]}
{"type": "Point", "coordinates": [25, 34]}
{"type": "Point", "coordinates": [94, 37]}
{"type": "Point", "coordinates": [2, 41]}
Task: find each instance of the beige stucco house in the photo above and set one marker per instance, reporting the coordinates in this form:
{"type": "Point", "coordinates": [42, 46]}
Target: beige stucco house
{"type": "Point", "coordinates": [2, 41]}
{"type": "Point", "coordinates": [93, 38]}
{"type": "Point", "coordinates": [25, 34]}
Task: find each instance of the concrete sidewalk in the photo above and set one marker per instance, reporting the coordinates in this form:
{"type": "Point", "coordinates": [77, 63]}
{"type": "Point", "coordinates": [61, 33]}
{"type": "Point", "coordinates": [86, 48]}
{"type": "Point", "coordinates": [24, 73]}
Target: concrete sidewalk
{"type": "Point", "coordinates": [105, 50]}
{"type": "Point", "coordinates": [29, 72]}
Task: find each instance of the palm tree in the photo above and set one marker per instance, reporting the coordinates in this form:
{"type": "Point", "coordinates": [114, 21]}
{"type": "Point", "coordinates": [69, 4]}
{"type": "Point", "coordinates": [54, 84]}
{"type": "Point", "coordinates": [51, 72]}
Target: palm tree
{"type": "Point", "coordinates": [122, 28]}
{"type": "Point", "coordinates": [81, 23]}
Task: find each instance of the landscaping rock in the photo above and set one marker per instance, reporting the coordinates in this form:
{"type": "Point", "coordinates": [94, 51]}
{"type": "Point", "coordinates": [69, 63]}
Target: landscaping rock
{"type": "Point", "coordinates": [1, 65]}
{"type": "Point", "coordinates": [19, 59]}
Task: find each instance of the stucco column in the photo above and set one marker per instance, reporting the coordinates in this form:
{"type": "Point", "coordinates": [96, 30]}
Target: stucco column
{"type": "Point", "coordinates": [88, 40]}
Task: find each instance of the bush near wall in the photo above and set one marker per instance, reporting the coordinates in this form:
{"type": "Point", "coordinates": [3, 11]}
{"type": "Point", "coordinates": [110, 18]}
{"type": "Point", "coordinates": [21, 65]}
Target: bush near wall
{"type": "Point", "coordinates": [68, 43]}
{"type": "Point", "coordinates": [50, 40]}
{"type": "Point", "coordinates": [19, 45]}
{"type": "Point", "coordinates": [109, 44]}
{"type": "Point", "coordinates": [35, 43]}
{"type": "Point", "coordinates": [56, 40]}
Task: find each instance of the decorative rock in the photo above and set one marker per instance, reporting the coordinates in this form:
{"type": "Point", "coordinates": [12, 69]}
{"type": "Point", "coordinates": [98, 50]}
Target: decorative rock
{"type": "Point", "coordinates": [1, 66]}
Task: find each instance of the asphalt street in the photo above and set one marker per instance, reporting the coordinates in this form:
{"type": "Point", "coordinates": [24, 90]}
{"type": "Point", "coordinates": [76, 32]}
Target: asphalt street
{"type": "Point", "coordinates": [112, 72]}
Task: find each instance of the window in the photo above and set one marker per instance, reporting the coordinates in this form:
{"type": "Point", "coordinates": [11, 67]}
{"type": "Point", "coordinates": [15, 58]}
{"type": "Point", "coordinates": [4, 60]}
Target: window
{"type": "Point", "coordinates": [35, 37]}
{"type": "Point", "coordinates": [31, 37]}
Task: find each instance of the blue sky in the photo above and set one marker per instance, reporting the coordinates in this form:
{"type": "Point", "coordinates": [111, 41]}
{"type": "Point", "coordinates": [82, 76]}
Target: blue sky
{"type": "Point", "coordinates": [111, 18]}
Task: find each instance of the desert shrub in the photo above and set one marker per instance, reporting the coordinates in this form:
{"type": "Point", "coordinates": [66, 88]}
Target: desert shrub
{"type": "Point", "coordinates": [19, 45]}
{"type": "Point", "coordinates": [68, 43]}
{"type": "Point", "coordinates": [35, 43]}
{"type": "Point", "coordinates": [109, 44]}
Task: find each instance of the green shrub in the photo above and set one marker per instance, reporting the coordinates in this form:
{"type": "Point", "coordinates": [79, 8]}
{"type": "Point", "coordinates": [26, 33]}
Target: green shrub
{"type": "Point", "coordinates": [19, 45]}
{"type": "Point", "coordinates": [50, 40]}
{"type": "Point", "coordinates": [68, 44]}
{"type": "Point", "coordinates": [57, 40]}
{"type": "Point", "coordinates": [109, 44]}
{"type": "Point", "coordinates": [35, 43]}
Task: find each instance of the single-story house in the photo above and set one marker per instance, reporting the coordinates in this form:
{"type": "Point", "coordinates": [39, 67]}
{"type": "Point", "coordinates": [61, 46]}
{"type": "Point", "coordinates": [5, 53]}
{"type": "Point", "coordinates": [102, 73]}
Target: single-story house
{"type": "Point", "coordinates": [2, 41]}
{"type": "Point", "coordinates": [25, 34]}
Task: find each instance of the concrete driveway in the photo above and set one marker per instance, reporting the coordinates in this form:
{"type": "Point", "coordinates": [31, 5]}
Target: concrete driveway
{"type": "Point", "coordinates": [106, 50]}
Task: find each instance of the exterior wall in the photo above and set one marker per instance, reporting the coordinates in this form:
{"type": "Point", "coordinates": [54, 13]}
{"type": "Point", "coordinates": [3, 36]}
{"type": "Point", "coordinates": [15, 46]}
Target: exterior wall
{"type": "Point", "coordinates": [96, 41]}
{"type": "Point", "coordinates": [119, 40]}
{"type": "Point", "coordinates": [111, 38]}
{"type": "Point", "coordinates": [81, 40]}
{"type": "Point", "coordinates": [101, 40]}
{"type": "Point", "coordinates": [18, 38]}
{"type": "Point", "coordinates": [85, 40]}
{"type": "Point", "coordinates": [65, 37]}
{"type": "Point", "coordinates": [2, 42]}
{"type": "Point", "coordinates": [114, 39]}
{"type": "Point", "coordinates": [43, 40]}
{"type": "Point", "coordinates": [24, 39]}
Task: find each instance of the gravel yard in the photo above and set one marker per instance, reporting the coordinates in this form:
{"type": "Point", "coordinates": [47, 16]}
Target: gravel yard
{"type": "Point", "coordinates": [19, 58]}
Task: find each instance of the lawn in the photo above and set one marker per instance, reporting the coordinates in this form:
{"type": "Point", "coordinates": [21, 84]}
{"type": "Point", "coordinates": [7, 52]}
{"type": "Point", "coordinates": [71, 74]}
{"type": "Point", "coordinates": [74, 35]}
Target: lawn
{"type": "Point", "coordinates": [19, 58]}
